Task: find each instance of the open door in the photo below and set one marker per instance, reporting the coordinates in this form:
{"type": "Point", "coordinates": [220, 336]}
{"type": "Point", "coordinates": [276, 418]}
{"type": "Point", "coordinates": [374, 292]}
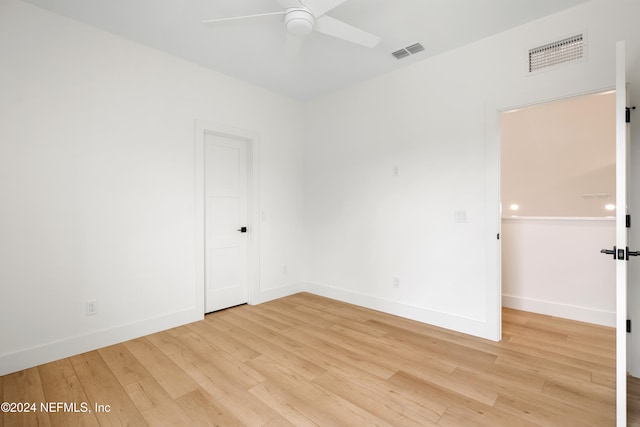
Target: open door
{"type": "Point", "coordinates": [622, 243]}
{"type": "Point", "coordinates": [621, 251]}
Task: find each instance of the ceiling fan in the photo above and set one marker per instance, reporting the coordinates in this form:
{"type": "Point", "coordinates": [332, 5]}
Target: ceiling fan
{"type": "Point", "coordinates": [302, 17]}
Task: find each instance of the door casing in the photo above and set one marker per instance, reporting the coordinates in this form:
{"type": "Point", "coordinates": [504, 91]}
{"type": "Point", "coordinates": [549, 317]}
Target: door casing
{"type": "Point", "coordinates": [202, 128]}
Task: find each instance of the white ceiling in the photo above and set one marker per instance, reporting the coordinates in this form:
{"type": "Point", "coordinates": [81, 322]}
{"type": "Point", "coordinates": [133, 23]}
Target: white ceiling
{"type": "Point", "coordinates": [255, 52]}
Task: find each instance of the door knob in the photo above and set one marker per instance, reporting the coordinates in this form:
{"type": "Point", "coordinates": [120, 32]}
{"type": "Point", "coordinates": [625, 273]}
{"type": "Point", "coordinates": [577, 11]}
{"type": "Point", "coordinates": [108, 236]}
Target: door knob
{"type": "Point", "coordinates": [609, 252]}
{"type": "Point", "coordinates": [242, 229]}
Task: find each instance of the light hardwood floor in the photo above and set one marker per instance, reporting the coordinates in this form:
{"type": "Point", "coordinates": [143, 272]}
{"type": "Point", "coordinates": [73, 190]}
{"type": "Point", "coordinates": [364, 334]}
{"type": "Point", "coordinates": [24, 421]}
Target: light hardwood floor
{"type": "Point", "coordinates": [307, 360]}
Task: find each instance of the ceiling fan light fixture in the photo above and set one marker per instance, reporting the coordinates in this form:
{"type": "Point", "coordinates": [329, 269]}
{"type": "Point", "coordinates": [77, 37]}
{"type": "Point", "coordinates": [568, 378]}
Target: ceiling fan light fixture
{"type": "Point", "coordinates": [299, 22]}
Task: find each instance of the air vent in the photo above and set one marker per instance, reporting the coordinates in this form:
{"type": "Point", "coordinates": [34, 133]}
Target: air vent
{"type": "Point", "coordinates": [558, 52]}
{"type": "Point", "coordinates": [409, 50]}
{"type": "Point", "coordinates": [415, 48]}
{"type": "Point", "coordinates": [401, 53]}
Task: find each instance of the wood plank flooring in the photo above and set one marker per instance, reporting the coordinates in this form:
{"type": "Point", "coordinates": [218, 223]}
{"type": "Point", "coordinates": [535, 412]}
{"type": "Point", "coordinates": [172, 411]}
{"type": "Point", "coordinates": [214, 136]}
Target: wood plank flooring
{"type": "Point", "coordinates": [306, 360]}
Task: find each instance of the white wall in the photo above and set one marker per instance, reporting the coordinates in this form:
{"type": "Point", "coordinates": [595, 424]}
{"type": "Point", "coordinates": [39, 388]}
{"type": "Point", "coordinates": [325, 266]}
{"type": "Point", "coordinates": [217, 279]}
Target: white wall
{"type": "Point", "coordinates": [96, 178]}
{"type": "Point", "coordinates": [97, 185]}
{"type": "Point", "coordinates": [554, 267]}
{"type": "Point", "coordinates": [437, 121]}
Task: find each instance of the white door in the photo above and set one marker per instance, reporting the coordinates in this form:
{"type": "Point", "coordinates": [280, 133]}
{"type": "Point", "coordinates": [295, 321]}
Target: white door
{"type": "Point", "coordinates": [226, 221]}
{"type": "Point", "coordinates": [622, 242]}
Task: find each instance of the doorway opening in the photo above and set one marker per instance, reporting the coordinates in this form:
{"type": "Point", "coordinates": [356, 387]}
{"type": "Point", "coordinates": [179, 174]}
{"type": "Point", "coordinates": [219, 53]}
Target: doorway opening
{"type": "Point", "coordinates": [558, 200]}
{"type": "Point", "coordinates": [227, 250]}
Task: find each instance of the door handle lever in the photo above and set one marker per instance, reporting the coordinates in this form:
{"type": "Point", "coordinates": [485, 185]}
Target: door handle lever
{"type": "Point", "coordinates": [242, 229]}
{"type": "Point", "coordinates": [632, 253]}
{"type": "Point", "coordinates": [609, 252]}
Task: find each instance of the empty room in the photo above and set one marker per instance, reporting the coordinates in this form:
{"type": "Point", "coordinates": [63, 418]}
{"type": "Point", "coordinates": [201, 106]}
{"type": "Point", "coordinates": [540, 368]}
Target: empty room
{"type": "Point", "coordinates": [284, 212]}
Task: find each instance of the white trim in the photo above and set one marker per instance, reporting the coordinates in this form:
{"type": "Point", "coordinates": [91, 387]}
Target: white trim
{"type": "Point", "coordinates": [493, 225]}
{"type": "Point", "coordinates": [277, 293]}
{"type": "Point", "coordinates": [203, 127]}
{"type": "Point", "coordinates": [559, 218]}
{"type": "Point", "coordinates": [34, 356]}
{"type": "Point", "coordinates": [565, 311]}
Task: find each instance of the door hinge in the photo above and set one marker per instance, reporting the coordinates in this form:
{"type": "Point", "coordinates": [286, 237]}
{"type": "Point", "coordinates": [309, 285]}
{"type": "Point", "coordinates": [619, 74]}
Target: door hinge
{"type": "Point", "coordinates": [628, 325]}
{"type": "Point", "coordinates": [628, 221]}
{"type": "Point", "coordinates": [628, 114]}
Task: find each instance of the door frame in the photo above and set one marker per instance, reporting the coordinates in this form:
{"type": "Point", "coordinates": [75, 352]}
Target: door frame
{"type": "Point", "coordinates": [493, 253]}
{"type": "Point", "coordinates": [202, 128]}
{"type": "Point", "coordinates": [493, 214]}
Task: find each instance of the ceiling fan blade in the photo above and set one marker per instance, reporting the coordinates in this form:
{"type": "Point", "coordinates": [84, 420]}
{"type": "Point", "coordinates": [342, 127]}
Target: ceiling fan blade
{"type": "Point", "coordinates": [335, 28]}
{"type": "Point", "coordinates": [247, 18]}
{"type": "Point", "coordinates": [320, 7]}
{"type": "Point", "coordinates": [294, 46]}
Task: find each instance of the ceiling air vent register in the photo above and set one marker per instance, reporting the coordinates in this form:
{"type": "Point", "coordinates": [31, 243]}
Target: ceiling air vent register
{"type": "Point", "coordinates": [409, 50]}
{"type": "Point", "coordinates": [558, 52]}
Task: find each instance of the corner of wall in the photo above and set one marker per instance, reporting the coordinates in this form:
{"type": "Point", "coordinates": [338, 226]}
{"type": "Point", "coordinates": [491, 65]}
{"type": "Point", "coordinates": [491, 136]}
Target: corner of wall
{"type": "Point", "coordinates": [482, 329]}
{"type": "Point", "coordinates": [272, 294]}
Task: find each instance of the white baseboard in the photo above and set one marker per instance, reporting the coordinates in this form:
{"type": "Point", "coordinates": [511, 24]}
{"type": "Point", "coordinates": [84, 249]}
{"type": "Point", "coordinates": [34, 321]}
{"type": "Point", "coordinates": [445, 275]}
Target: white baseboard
{"type": "Point", "coordinates": [271, 294]}
{"type": "Point", "coordinates": [34, 356]}
{"type": "Point", "coordinates": [45, 353]}
{"type": "Point", "coordinates": [449, 321]}
{"type": "Point", "coordinates": [582, 314]}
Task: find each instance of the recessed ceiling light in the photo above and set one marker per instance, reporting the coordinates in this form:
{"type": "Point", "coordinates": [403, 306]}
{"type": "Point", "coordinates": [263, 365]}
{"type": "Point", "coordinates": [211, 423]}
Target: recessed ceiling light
{"type": "Point", "coordinates": [514, 207]}
{"type": "Point", "coordinates": [610, 207]}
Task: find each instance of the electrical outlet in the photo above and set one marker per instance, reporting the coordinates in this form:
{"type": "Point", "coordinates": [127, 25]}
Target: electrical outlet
{"type": "Point", "coordinates": [396, 283]}
{"type": "Point", "coordinates": [91, 308]}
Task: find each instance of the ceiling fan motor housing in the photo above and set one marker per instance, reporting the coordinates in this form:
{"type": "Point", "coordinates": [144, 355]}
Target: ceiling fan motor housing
{"type": "Point", "coordinates": [299, 22]}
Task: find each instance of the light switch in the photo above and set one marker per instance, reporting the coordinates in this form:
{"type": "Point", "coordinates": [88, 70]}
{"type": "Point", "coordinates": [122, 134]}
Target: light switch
{"type": "Point", "coordinates": [460, 217]}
